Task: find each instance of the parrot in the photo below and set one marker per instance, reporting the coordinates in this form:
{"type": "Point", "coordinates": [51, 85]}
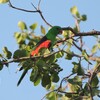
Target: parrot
{"type": "Point", "coordinates": [46, 42]}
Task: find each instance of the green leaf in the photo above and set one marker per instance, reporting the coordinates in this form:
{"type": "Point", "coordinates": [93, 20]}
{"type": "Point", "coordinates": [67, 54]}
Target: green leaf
{"type": "Point", "coordinates": [69, 55]}
{"type": "Point", "coordinates": [84, 53]}
{"type": "Point", "coordinates": [74, 88]}
{"type": "Point", "coordinates": [55, 77]}
{"type": "Point", "coordinates": [98, 45]}
{"type": "Point", "coordinates": [95, 81]}
{"type": "Point", "coordinates": [22, 25]}
{"type": "Point", "coordinates": [95, 92]}
{"type": "Point", "coordinates": [50, 59]}
{"type": "Point", "coordinates": [83, 17]}
{"type": "Point", "coordinates": [4, 1]}
{"type": "Point", "coordinates": [74, 10]}
{"type": "Point", "coordinates": [37, 81]}
{"type": "Point", "coordinates": [34, 74]}
{"type": "Point", "coordinates": [19, 53]}
{"type": "Point", "coordinates": [17, 35]}
{"type": "Point", "coordinates": [46, 80]}
{"type": "Point", "coordinates": [59, 54]}
{"type": "Point", "coordinates": [20, 39]}
{"type": "Point", "coordinates": [1, 56]}
{"type": "Point", "coordinates": [1, 65]}
{"type": "Point", "coordinates": [48, 86]}
{"type": "Point", "coordinates": [77, 68]}
{"type": "Point", "coordinates": [94, 49]}
{"type": "Point", "coordinates": [75, 83]}
{"type": "Point", "coordinates": [51, 96]}
{"type": "Point", "coordinates": [7, 53]}
{"type": "Point", "coordinates": [33, 26]}
{"type": "Point", "coordinates": [40, 63]}
{"type": "Point", "coordinates": [43, 30]}
{"type": "Point", "coordinates": [76, 29]}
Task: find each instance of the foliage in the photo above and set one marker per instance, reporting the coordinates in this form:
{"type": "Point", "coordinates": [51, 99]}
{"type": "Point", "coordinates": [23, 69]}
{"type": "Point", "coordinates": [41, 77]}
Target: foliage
{"type": "Point", "coordinates": [83, 82]}
{"type": "Point", "coordinates": [4, 1]}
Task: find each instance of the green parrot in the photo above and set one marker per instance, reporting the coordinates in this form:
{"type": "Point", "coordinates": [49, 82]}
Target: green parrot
{"type": "Point", "coordinates": [46, 42]}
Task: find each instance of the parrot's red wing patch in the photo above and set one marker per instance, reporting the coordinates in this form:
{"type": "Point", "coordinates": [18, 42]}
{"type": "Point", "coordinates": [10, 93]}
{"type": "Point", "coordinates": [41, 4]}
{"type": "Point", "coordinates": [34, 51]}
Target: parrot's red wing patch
{"type": "Point", "coordinates": [45, 44]}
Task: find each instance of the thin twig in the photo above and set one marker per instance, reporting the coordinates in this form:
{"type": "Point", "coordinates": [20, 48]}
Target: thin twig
{"type": "Point", "coordinates": [65, 78]}
{"type": "Point", "coordinates": [77, 46]}
{"type": "Point", "coordinates": [39, 4]}
{"type": "Point", "coordinates": [31, 11]}
{"type": "Point", "coordinates": [37, 10]}
{"type": "Point", "coordinates": [34, 7]}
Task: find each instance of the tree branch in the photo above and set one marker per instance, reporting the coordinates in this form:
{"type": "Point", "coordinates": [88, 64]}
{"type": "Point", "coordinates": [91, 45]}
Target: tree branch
{"type": "Point", "coordinates": [26, 58]}
{"type": "Point", "coordinates": [76, 34]}
{"type": "Point", "coordinates": [31, 11]}
{"type": "Point", "coordinates": [48, 55]}
{"type": "Point", "coordinates": [91, 33]}
{"type": "Point", "coordinates": [65, 78]}
{"type": "Point", "coordinates": [37, 10]}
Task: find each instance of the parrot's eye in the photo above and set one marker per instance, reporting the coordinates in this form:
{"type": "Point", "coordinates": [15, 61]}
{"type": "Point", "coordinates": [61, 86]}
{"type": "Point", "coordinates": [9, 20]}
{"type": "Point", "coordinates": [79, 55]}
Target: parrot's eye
{"type": "Point", "coordinates": [58, 28]}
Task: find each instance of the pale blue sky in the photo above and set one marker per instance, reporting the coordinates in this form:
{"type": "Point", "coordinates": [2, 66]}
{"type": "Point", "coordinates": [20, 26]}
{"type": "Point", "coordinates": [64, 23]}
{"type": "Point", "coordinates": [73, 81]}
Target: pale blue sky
{"type": "Point", "coordinates": [57, 12]}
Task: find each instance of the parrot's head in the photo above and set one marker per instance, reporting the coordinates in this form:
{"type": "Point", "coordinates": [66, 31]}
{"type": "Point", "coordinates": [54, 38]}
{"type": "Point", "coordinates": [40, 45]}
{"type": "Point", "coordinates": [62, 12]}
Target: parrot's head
{"type": "Point", "coordinates": [55, 30]}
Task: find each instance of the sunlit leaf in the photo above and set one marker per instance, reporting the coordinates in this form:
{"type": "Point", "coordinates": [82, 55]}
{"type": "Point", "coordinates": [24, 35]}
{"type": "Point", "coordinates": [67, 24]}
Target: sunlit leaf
{"type": "Point", "coordinates": [75, 83]}
{"type": "Point", "coordinates": [69, 54]}
{"type": "Point", "coordinates": [37, 81]}
{"type": "Point", "coordinates": [76, 13]}
{"type": "Point", "coordinates": [48, 86]}
{"type": "Point", "coordinates": [22, 25]}
{"type": "Point", "coordinates": [94, 49]}
{"type": "Point", "coordinates": [74, 10]}
{"type": "Point", "coordinates": [33, 26]}
{"type": "Point", "coordinates": [20, 40]}
{"type": "Point", "coordinates": [43, 30]}
{"type": "Point", "coordinates": [59, 54]}
{"type": "Point", "coordinates": [17, 35]}
{"type": "Point", "coordinates": [7, 53]}
{"type": "Point", "coordinates": [84, 53]}
{"type": "Point", "coordinates": [98, 45]}
{"type": "Point", "coordinates": [4, 1]}
{"type": "Point", "coordinates": [51, 96]}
